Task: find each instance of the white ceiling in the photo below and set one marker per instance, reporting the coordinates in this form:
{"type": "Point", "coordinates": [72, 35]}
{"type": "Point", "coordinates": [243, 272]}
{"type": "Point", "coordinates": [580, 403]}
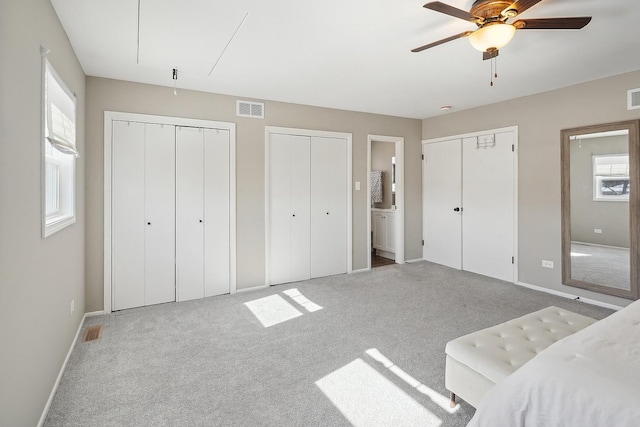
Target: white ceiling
{"type": "Point", "coordinates": [346, 54]}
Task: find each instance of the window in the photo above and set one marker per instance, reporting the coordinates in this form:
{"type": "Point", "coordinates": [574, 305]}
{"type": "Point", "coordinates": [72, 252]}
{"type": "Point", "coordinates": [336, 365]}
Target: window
{"type": "Point", "coordinates": [59, 153]}
{"type": "Point", "coordinates": [611, 177]}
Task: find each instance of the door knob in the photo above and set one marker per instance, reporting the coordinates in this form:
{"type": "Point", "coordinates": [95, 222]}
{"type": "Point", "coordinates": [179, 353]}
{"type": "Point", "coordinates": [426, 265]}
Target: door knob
{"type": "Point", "coordinates": [327, 213]}
{"type": "Point", "coordinates": [200, 220]}
{"type": "Point", "coordinates": [148, 223]}
{"type": "Point", "coordinates": [294, 214]}
{"type": "Point", "coordinates": [456, 209]}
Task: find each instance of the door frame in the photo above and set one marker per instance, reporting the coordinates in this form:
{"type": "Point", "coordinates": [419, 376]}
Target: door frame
{"type": "Point", "coordinates": [399, 226]}
{"type": "Point", "coordinates": [513, 129]}
{"type": "Point", "coordinates": [268, 131]}
{"type": "Point", "coordinates": [109, 118]}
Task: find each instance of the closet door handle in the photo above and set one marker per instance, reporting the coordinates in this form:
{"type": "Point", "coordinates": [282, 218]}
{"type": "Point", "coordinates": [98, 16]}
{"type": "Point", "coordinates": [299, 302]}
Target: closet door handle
{"type": "Point", "coordinates": [294, 215]}
{"type": "Point", "coordinates": [200, 220]}
{"type": "Point", "coordinates": [456, 209]}
{"type": "Point", "coordinates": [327, 213]}
{"type": "Point", "coordinates": [148, 223]}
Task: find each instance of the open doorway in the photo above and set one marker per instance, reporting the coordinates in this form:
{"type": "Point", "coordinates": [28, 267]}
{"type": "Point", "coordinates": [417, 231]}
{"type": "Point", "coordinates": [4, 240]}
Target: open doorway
{"type": "Point", "coordinates": [385, 199]}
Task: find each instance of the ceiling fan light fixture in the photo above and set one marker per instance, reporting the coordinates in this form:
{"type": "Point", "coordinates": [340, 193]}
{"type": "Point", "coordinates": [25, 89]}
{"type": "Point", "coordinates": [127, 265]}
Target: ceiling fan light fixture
{"type": "Point", "coordinates": [492, 36]}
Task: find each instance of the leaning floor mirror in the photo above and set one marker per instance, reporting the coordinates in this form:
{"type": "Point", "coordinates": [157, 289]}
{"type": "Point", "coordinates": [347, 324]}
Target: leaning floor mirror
{"type": "Point", "coordinates": [600, 201]}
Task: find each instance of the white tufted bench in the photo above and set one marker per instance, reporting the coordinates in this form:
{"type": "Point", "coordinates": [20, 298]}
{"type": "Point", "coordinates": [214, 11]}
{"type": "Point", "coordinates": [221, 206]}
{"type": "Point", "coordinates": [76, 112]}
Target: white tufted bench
{"type": "Point", "coordinates": [478, 361]}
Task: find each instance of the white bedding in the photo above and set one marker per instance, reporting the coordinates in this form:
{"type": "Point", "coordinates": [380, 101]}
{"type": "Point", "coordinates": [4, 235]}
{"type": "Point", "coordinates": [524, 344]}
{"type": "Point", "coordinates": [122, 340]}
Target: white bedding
{"type": "Point", "coordinates": [590, 378]}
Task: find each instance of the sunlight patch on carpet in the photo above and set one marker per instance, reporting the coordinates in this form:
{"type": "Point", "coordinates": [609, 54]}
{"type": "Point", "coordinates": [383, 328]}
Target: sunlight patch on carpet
{"type": "Point", "coordinates": [437, 398]}
{"type": "Point", "coordinates": [272, 310]}
{"type": "Point", "coordinates": [366, 398]}
{"type": "Point", "coordinates": [295, 295]}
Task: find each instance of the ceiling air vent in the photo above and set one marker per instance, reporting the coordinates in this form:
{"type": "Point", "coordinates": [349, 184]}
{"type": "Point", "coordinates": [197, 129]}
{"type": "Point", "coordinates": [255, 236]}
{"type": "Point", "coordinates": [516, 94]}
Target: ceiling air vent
{"type": "Point", "coordinates": [250, 109]}
{"type": "Point", "coordinates": [633, 99]}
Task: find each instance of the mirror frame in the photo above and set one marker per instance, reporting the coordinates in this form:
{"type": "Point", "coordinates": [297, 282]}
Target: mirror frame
{"type": "Point", "coordinates": [633, 126]}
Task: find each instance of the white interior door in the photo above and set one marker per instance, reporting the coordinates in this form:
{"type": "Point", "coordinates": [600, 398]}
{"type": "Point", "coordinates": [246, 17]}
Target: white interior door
{"type": "Point", "coordinates": [442, 184]}
{"type": "Point", "coordinates": [279, 208]}
{"type": "Point", "coordinates": [300, 263]}
{"type": "Point", "coordinates": [328, 206]}
{"type": "Point", "coordinates": [216, 212]}
{"type": "Point", "coordinates": [488, 218]}
{"type": "Point", "coordinates": [289, 210]}
{"type": "Point", "coordinates": [159, 202]}
{"type": "Point", "coordinates": [128, 215]}
{"type": "Point", "coordinates": [189, 213]}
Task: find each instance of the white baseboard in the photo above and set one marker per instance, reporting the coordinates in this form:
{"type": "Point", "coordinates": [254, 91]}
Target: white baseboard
{"type": "Point", "coordinates": [255, 288]}
{"type": "Point", "coordinates": [360, 270]}
{"type": "Point", "coordinates": [94, 313]}
{"type": "Point", "coordinates": [43, 417]}
{"type": "Point", "coordinates": [386, 254]}
{"type": "Point", "coordinates": [411, 261]}
{"type": "Point", "coordinates": [570, 296]}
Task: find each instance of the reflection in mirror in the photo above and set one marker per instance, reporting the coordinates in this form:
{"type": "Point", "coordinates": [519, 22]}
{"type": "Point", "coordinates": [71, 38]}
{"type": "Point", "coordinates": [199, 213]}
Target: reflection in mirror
{"type": "Point", "coordinates": [600, 208]}
{"type": "Point", "coordinates": [599, 242]}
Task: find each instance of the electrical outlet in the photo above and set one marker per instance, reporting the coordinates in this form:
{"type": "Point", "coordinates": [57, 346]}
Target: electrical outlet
{"type": "Point", "coordinates": [72, 307]}
{"type": "Point", "coordinates": [547, 264]}
{"type": "Point", "coordinates": [597, 230]}
{"type": "Point", "coordinates": [357, 185]}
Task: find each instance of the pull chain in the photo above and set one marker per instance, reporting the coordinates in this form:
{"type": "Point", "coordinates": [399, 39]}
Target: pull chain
{"type": "Point", "coordinates": [494, 69]}
{"type": "Point", "coordinates": [491, 75]}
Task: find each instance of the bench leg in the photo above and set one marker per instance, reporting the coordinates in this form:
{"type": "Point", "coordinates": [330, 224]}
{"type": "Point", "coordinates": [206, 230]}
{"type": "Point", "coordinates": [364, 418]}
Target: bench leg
{"type": "Point", "coordinates": [453, 400]}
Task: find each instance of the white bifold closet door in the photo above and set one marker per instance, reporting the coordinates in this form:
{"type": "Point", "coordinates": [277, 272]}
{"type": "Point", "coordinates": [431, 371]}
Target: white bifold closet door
{"type": "Point", "coordinates": [307, 207]}
{"type": "Point", "coordinates": [202, 212]}
{"type": "Point", "coordinates": [289, 208]}
{"type": "Point", "coordinates": [143, 214]}
{"type": "Point", "coordinates": [328, 206]}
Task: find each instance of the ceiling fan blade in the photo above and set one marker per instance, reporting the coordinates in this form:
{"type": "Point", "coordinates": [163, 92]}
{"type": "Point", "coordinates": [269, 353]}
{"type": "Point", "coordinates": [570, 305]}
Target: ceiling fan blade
{"type": "Point", "coordinates": [520, 6]}
{"type": "Point", "coordinates": [490, 54]}
{"type": "Point", "coordinates": [451, 11]}
{"type": "Point", "coordinates": [439, 42]}
{"type": "Point", "coordinates": [553, 23]}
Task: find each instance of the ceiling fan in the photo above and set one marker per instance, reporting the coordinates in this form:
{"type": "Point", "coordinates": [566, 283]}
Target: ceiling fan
{"type": "Point", "coordinates": [494, 32]}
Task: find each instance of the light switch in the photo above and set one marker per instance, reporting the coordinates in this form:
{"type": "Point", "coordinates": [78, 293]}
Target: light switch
{"type": "Point", "coordinates": [357, 185]}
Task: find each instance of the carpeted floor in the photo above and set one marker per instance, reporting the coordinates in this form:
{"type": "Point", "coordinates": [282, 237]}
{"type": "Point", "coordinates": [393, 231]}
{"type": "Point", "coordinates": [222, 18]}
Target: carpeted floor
{"type": "Point", "coordinates": [364, 349]}
{"type": "Point", "coordinates": [601, 265]}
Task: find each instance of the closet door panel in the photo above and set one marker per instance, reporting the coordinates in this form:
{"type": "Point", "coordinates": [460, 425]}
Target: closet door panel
{"type": "Point", "coordinates": [280, 213]}
{"type": "Point", "coordinates": [300, 265]}
{"type": "Point", "coordinates": [159, 201]}
{"type": "Point", "coordinates": [216, 212]}
{"type": "Point", "coordinates": [189, 213]}
{"type": "Point", "coordinates": [328, 206]}
{"type": "Point", "coordinates": [128, 226]}
{"type": "Point", "coordinates": [442, 187]}
{"type": "Point", "coordinates": [488, 207]}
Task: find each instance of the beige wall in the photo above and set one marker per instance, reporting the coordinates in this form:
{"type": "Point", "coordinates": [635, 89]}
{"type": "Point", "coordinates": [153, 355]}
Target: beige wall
{"type": "Point", "coordinates": [381, 154]}
{"type": "Point", "coordinates": [113, 95]}
{"type": "Point", "coordinates": [38, 277]}
{"type": "Point", "coordinates": [611, 217]}
{"type": "Point", "coordinates": [539, 119]}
